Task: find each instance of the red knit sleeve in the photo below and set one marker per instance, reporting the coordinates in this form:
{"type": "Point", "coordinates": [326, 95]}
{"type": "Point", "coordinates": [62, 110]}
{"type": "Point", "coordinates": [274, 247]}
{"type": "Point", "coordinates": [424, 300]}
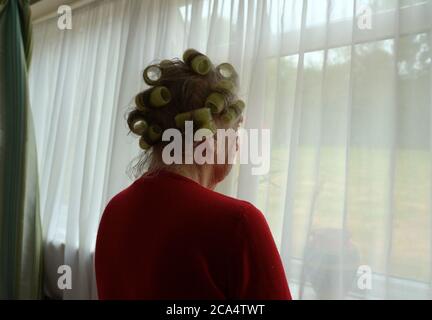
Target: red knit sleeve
{"type": "Point", "coordinates": [258, 272]}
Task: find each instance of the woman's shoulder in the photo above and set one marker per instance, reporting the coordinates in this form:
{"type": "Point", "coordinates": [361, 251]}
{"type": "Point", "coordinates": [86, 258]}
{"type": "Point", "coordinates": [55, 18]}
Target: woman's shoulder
{"type": "Point", "coordinates": [241, 209]}
{"type": "Point", "coordinates": [122, 198]}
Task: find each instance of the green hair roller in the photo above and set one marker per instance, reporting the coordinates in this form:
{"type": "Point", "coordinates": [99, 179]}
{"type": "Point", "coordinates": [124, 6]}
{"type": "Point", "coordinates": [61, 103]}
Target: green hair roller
{"type": "Point", "coordinates": [226, 85]}
{"type": "Point", "coordinates": [143, 144]}
{"type": "Point", "coordinates": [139, 127]}
{"type": "Point", "coordinates": [215, 102]}
{"type": "Point", "coordinates": [188, 54]}
{"type": "Point", "coordinates": [210, 126]}
{"type": "Point", "coordinates": [152, 75]}
{"type": "Point", "coordinates": [229, 115]}
{"type": "Point", "coordinates": [202, 115]}
{"type": "Point", "coordinates": [154, 133]}
{"type": "Point", "coordinates": [181, 118]}
{"type": "Point", "coordinates": [160, 96]}
{"type": "Point", "coordinates": [239, 106]}
{"type": "Point", "coordinates": [140, 103]}
{"type": "Point", "coordinates": [198, 62]}
{"type": "Point", "coordinates": [227, 71]}
{"type": "Point", "coordinates": [201, 65]}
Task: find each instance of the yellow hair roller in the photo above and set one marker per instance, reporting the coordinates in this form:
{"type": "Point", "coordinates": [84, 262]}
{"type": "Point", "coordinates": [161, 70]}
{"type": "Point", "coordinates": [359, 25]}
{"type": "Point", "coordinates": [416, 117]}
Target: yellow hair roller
{"type": "Point", "coordinates": [215, 102]}
{"type": "Point", "coordinates": [239, 106]}
{"type": "Point", "coordinates": [181, 118]}
{"type": "Point", "coordinates": [143, 144]}
{"type": "Point", "coordinates": [140, 102]}
{"type": "Point", "coordinates": [152, 75]}
{"type": "Point", "coordinates": [197, 61]}
{"type": "Point", "coordinates": [226, 85]}
{"type": "Point", "coordinates": [198, 116]}
{"type": "Point", "coordinates": [133, 118]}
{"type": "Point", "coordinates": [229, 115]}
{"type": "Point", "coordinates": [160, 96]}
{"type": "Point", "coordinates": [233, 111]}
{"type": "Point", "coordinates": [210, 126]}
{"type": "Point", "coordinates": [202, 115]}
{"type": "Point", "coordinates": [139, 127]}
{"type": "Point", "coordinates": [189, 53]}
{"type": "Point", "coordinates": [227, 71]}
{"type": "Point", "coordinates": [201, 65]}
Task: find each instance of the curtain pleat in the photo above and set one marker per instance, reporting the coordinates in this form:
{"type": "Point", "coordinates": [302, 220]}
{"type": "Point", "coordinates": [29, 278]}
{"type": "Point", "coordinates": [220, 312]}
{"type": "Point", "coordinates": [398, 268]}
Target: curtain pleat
{"type": "Point", "coordinates": [393, 157]}
{"type": "Point", "coordinates": [293, 146]}
{"type": "Point", "coordinates": [20, 229]}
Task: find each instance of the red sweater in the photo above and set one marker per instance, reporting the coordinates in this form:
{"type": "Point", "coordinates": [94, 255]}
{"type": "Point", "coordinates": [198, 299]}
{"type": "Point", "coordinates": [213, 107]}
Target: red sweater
{"type": "Point", "coordinates": [167, 237]}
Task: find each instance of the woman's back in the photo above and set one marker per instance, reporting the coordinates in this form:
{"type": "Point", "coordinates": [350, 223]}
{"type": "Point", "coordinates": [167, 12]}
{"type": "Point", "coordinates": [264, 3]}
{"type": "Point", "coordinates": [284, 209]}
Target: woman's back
{"type": "Point", "coordinates": [167, 237]}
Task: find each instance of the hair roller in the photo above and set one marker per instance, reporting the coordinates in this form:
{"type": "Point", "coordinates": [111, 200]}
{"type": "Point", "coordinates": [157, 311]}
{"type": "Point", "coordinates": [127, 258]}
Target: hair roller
{"type": "Point", "coordinates": [226, 86]}
{"type": "Point", "coordinates": [198, 62]}
{"type": "Point", "coordinates": [188, 54]}
{"type": "Point", "coordinates": [227, 71]}
{"type": "Point", "coordinates": [204, 119]}
{"type": "Point", "coordinates": [202, 115]}
{"type": "Point", "coordinates": [239, 106]}
{"type": "Point", "coordinates": [201, 65]}
{"type": "Point", "coordinates": [181, 118]}
{"type": "Point", "coordinates": [152, 75]}
{"type": "Point", "coordinates": [139, 127]}
{"type": "Point", "coordinates": [134, 116]}
{"type": "Point", "coordinates": [154, 133]}
{"type": "Point", "coordinates": [215, 102]}
{"type": "Point", "coordinates": [141, 102]}
{"type": "Point", "coordinates": [143, 144]}
{"type": "Point", "coordinates": [160, 96]}
{"type": "Point", "coordinates": [229, 115]}
{"type": "Point", "coordinates": [233, 111]}
{"type": "Point", "coordinates": [210, 126]}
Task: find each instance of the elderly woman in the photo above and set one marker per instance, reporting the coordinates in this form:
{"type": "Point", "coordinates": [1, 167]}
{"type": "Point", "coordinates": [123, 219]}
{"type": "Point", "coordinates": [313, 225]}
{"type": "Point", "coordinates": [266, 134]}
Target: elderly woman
{"type": "Point", "coordinates": [169, 235]}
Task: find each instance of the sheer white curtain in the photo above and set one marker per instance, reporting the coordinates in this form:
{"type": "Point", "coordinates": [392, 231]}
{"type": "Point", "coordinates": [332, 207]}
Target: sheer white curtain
{"type": "Point", "coordinates": [349, 108]}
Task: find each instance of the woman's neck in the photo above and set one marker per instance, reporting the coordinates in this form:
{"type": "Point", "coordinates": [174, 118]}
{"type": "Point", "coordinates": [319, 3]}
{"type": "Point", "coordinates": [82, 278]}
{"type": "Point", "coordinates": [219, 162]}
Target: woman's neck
{"type": "Point", "coordinates": [202, 174]}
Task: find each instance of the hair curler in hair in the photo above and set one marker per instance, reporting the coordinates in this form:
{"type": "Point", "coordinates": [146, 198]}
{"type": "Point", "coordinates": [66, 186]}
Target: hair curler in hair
{"type": "Point", "coordinates": [189, 53]}
{"type": "Point", "coordinates": [134, 116]}
{"type": "Point", "coordinates": [143, 144]}
{"type": "Point", "coordinates": [152, 75]}
{"type": "Point", "coordinates": [202, 115]}
{"type": "Point", "coordinates": [215, 102]}
{"type": "Point", "coordinates": [160, 96]}
{"type": "Point", "coordinates": [226, 86]}
{"type": "Point", "coordinates": [141, 102]}
{"type": "Point", "coordinates": [233, 111]}
{"type": "Point", "coordinates": [198, 62]}
{"type": "Point", "coordinates": [227, 71]}
{"type": "Point", "coordinates": [139, 127]}
{"type": "Point", "coordinates": [239, 106]}
{"type": "Point", "coordinates": [229, 115]}
{"type": "Point", "coordinates": [203, 119]}
{"type": "Point", "coordinates": [210, 125]}
{"type": "Point", "coordinates": [181, 118]}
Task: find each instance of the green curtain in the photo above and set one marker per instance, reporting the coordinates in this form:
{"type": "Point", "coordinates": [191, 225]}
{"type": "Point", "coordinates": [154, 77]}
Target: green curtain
{"type": "Point", "coordinates": [20, 228]}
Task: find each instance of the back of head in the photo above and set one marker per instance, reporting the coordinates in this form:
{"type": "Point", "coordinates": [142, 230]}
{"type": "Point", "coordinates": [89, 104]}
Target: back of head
{"type": "Point", "coordinates": [190, 90]}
